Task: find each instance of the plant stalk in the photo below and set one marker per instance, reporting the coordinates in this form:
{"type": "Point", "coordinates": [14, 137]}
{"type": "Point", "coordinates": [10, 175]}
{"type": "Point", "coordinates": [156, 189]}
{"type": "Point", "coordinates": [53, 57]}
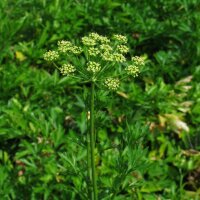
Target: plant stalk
{"type": "Point", "coordinates": [92, 142]}
{"type": "Point", "coordinates": [89, 166]}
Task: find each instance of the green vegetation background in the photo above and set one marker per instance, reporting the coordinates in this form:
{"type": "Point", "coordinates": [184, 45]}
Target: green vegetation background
{"type": "Point", "coordinates": [39, 109]}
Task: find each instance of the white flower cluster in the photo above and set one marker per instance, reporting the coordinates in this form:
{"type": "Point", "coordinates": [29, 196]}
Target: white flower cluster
{"type": "Point", "coordinates": [94, 36]}
{"type": "Point", "coordinates": [138, 61]}
{"type": "Point", "coordinates": [120, 38]}
{"type": "Point", "coordinates": [113, 57]}
{"type": "Point", "coordinates": [93, 51]}
{"type": "Point", "coordinates": [66, 46]}
{"type": "Point", "coordinates": [118, 57]}
{"type": "Point", "coordinates": [103, 39]}
{"type": "Point", "coordinates": [132, 70]}
{"type": "Point", "coordinates": [76, 50]}
{"type": "Point", "coordinates": [106, 52]}
{"type": "Point", "coordinates": [100, 38]}
{"type": "Point", "coordinates": [122, 48]}
{"type": "Point", "coordinates": [93, 39]}
{"type": "Point", "coordinates": [88, 41]}
{"type": "Point", "coordinates": [51, 55]}
{"type": "Point", "coordinates": [107, 56]}
{"type": "Point", "coordinates": [105, 47]}
{"type": "Point", "coordinates": [100, 45]}
{"type": "Point", "coordinates": [100, 53]}
{"type": "Point", "coordinates": [93, 67]}
{"type": "Point", "coordinates": [112, 83]}
{"type": "Point", "coordinates": [67, 69]}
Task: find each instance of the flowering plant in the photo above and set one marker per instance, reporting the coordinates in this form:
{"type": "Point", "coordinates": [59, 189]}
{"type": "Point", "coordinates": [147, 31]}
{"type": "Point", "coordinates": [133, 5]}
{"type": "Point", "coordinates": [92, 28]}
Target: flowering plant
{"type": "Point", "coordinates": [102, 61]}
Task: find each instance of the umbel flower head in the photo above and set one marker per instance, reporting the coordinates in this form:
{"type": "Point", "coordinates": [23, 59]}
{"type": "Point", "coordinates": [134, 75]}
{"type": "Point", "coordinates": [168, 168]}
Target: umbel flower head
{"type": "Point", "coordinates": [96, 59]}
{"type": "Point", "coordinates": [51, 55]}
{"type": "Point", "coordinates": [93, 67]}
{"type": "Point", "coordinates": [132, 70]}
{"type": "Point", "coordinates": [67, 69]}
{"type": "Point", "coordinates": [112, 83]}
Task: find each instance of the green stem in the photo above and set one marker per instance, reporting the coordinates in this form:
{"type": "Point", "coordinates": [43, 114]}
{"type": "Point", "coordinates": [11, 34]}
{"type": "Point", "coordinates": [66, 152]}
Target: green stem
{"type": "Point", "coordinates": [92, 143]}
{"type": "Point", "coordinates": [89, 167]}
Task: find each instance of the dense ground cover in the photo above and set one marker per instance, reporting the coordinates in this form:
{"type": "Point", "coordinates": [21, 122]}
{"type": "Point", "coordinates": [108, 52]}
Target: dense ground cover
{"type": "Point", "coordinates": [43, 114]}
